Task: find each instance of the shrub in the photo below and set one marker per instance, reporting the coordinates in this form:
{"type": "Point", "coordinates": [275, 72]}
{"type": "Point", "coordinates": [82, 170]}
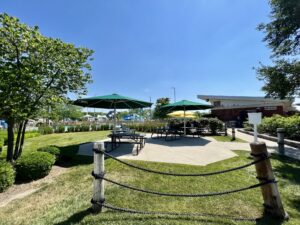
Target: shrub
{"type": "Point", "coordinates": [53, 150]}
{"type": "Point", "coordinates": [247, 126]}
{"type": "Point", "coordinates": [34, 165]}
{"type": "Point", "coordinates": [45, 129]}
{"type": "Point", "coordinates": [85, 128]}
{"type": "Point", "coordinates": [7, 175]}
{"type": "Point", "coordinates": [77, 128]}
{"type": "Point", "coordinates": [215, 125]}
{"type": "Point", "coordinates": [60, 129]}
{"type": "Point", "coordinates": [71, 129]}
{"type": "Point", "coordinates": [204, 122]}
{"type": "Point", "coordinates": [104, 127]}
{"type": "Point", "coordinates": [291, 125]}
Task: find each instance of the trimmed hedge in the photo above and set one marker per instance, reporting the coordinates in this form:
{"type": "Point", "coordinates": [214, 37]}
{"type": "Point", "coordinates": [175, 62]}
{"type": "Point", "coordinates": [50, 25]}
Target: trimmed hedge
{"type": "Point", "coordinates": [52, 150]}
{"type": "Point", "coordinates": [146, 126]}
{"type": "Point", "coordinates": [45, 130]}
{"type": "Point", "coordinates": [7, 175]}
{"type": "Point", "coordinates": [34, 165]}
{"type": "Point", "coordinates": [291, 125]}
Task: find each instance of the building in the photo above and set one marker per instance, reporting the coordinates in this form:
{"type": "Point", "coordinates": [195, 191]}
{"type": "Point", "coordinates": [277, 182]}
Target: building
{"type": "Point", "coordinates": [235, 108]}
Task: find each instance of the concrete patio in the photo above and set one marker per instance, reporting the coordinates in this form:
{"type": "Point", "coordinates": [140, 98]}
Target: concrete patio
{"type": "Point", "coordinates": [187, 150]}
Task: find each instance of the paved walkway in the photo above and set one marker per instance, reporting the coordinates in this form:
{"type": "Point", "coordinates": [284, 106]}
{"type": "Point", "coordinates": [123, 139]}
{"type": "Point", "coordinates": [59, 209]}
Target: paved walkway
{"type": "Point", "coordinates": [271, 145]}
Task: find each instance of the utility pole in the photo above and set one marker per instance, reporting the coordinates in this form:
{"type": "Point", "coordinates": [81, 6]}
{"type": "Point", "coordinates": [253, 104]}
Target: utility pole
{"type": "Point", "coordinates": [150, 109]}
{"type": "Point", "coordinates": [174, 93]}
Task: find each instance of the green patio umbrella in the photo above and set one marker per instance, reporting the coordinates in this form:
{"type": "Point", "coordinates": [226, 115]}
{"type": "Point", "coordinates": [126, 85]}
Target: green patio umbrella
{"type": "Point", "coordinates": [185, 105]}
{"type": "Point", "coordinates": [113, 101]}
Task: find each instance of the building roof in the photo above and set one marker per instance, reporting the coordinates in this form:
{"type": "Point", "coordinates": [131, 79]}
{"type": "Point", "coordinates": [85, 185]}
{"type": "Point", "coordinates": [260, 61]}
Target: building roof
{"type": "Point", "coordinates": [248, 98]}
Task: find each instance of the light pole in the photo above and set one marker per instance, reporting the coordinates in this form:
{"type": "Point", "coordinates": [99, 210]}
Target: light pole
{"type": "Point", "coordinates": [174, 93]}
{"type": "Point", "coordinates": [150, 109]}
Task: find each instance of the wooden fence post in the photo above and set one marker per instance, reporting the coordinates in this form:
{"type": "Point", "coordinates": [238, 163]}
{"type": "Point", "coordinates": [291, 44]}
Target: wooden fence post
{"type": "Point", "coordinates": [233, 134]}
{"type": "Point", "coordinates": [98, 194]}
{"type": "Point", "coordinates": [280, 141]}
{"type": "Point", "coordinates": [272, 201]}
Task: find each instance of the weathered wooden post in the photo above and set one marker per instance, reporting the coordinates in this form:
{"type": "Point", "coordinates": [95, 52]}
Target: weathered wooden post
{"type": "Point", "coordinates": [233, 134]}
{"type": "Point", "coordinates": [280, 141]}
{"type": "Point", "coordinates": [98, 194]}
{"type": "Point", "coordinates": [270, 193]}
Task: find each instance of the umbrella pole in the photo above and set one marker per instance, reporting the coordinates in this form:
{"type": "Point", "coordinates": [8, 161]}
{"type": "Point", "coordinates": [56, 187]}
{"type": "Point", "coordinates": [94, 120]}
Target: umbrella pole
{"type": "Point", "coordinates": [184, 122]}
{"type": "Point", "coordinates": [115, 118]}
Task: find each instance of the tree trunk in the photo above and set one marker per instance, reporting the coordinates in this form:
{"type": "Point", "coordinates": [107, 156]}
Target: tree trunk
{"type": "Point", "coordinates": [17, 144]}
{"type": "Point", "coordinates": [10, 139]}
{"type": "Point", "coordinates": [22, 138]}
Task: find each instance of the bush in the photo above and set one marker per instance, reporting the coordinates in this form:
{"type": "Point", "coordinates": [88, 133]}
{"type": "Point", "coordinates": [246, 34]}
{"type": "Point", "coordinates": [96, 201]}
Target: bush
{"type": "Point", "coordinates": [93, 127]}
{"type": "Point", "coordinates": [291, 125]}
{"type": "Point", "coordinates": [53, 150]}
{"type": "Point", "coordinates": [85, 128]}
{"type": "Point", "coordinates": [104, 127]}
{"type": "Point", "coordinates": [71, 129]}
{"type": "Point", "coordinates": [60, 129]}
{"type": "Point", "coordinates": [45, 129]}
{"type": "Point", "coordinates": [247, 126]}
{"type": "Point", "coordinates": [215, 125]}
{"type": "Point", "coordinates": [7, 175]}
{"type": "Point", "coordinates": [34, 165]}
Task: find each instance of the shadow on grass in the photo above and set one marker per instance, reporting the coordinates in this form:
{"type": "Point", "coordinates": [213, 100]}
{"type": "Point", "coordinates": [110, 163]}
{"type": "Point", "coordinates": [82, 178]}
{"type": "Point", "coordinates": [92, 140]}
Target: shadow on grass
{"type": "Point", "coordinates": [125, 217]}
{"type": "Point", "coordinates": [134, 218]}
{"type": "Point", "coordinates": [69, 157]}
{"type": "Point", "coordinates": [267, 220]}
{"type": "Point", "coordinates": [75, 218]}
{"type": "Point", "coordinates": [288, 168]}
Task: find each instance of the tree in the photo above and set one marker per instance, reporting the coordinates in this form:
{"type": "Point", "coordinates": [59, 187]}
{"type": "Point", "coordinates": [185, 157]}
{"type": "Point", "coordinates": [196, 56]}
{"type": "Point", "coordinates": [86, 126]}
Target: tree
{"type": "Point", "coordinates": [282, 33]}
{"type": "Point", "coordinates": [283, 37]}
{"type": "Point", "coordinates": [281, 80]}
{"type": "Point", "coordinates": [61, 111]}
{"type": "Point", "coordinates": [35, 71]}
{"type": "Point", "coordinates": [158, 113]}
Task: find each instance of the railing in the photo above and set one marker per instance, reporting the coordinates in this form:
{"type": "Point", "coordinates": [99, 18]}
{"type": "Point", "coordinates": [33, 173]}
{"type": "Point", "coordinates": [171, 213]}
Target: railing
{"type": "Point", "coordinates": [265, 176]}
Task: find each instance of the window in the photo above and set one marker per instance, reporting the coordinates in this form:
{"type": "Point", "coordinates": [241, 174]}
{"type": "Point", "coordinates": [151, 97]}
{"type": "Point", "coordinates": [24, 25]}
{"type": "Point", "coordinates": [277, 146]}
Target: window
{"type": "Point", "coordinates": [270, 108]}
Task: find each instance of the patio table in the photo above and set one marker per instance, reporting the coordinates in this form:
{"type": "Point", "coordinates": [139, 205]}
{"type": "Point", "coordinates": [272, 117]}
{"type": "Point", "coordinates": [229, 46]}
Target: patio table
{"type": "Point", "coordinates": [116, 140]}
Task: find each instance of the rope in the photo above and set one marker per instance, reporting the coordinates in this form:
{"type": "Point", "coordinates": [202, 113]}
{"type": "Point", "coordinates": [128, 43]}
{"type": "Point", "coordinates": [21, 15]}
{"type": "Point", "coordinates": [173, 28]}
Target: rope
{"type": "Point", "coordinates": [264, 157]}
{"type": "Point", "coordinates": [101, 176]}
{"type": "Point", "coordinates": [132, 211]}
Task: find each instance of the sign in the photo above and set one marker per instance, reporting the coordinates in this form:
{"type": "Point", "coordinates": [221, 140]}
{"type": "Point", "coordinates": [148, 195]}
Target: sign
{"type": "Point", "coordinates": [254, 118]}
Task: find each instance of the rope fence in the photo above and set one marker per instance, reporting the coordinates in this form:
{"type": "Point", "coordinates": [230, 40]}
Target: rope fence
{"type": "Point", "coordinates": [265, 176]}
{"type": "Point", "coordinates": [196, 195]}
{"type": "Point", "coordinates": [262, 158]}
{"type": "Point", "coordinates": [156, 213]}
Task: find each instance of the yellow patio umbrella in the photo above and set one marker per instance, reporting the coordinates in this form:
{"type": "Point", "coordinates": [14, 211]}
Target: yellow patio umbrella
{"type": "Point", "coordinates": [180, 114]}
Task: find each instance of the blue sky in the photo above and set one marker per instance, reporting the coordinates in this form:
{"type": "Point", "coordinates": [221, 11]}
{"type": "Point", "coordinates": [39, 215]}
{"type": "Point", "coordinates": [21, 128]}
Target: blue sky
{"type": "Point", "coordinates": [143, 48]}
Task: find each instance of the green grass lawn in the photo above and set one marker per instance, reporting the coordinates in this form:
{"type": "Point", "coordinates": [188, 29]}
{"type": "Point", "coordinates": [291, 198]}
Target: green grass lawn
{"type": "Point", "coordinates": [227, 139]}
{"type": "Point", "coordinates": [70, 140]}
{"type": "Point", "coordinates": [67, 199]}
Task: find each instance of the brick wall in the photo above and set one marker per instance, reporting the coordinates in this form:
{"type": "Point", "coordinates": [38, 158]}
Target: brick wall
{"type": "Point", "coordinates": [241, 113]}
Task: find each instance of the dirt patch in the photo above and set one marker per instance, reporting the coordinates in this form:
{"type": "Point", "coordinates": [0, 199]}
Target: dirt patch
{"type": "Point", "coordinates": [22, 190]}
